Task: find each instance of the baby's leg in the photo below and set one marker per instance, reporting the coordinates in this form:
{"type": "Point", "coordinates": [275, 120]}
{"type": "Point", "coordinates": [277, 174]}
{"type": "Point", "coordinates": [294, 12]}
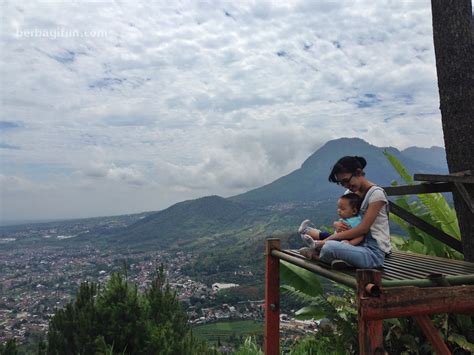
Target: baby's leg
{"type": "Point", "coordinates": [317, 234]}
{"type": "Point", "coordinates": [313, 233]}
{"type": "Point", "coordinates": [305, 229]}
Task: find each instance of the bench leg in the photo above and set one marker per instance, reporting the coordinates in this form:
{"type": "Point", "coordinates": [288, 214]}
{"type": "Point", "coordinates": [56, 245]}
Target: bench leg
{"type": "Point", "coordinates": [432, 334]}
{"type": "Point", "coordinates": [272, 299]}
{"type": "Point", "coordinates": [370, 337]}
{"type": "Point", "coordinates": [370, 331]}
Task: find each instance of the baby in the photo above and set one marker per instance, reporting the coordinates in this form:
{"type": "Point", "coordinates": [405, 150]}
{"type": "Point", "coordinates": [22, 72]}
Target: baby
{"type": "Point", "coordinates": [348, 207]}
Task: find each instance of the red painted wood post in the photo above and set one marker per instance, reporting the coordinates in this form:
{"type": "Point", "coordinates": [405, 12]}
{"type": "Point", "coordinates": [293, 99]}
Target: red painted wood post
{"type": "Point", "coordinates": [432, 334]}
{"type": "Point", "coordinates": [408, 301]}
{"type": "Point", "coordinates": [370, 331]}
{"type": "Point", "coordinates": [272, 299]}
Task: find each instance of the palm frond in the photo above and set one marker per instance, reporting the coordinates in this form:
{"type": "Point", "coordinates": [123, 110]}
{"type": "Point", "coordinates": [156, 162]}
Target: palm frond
{"type": "Point", "coordinates": [462, 342]}
{"type": "Point", "coordinates": [433, 209]}
{"type": "Point", "coordinates": [301, 279]}
{"type": "Point", "coordinates": [399, 168]}
{"type": "Point", "coordinates": [310, 312]}
{"type": "Point", "coordinates": [296, 294]}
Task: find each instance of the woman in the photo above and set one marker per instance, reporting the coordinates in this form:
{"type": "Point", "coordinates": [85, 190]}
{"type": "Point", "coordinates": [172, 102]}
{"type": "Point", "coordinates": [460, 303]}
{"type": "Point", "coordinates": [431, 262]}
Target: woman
{"type": "Point", "coordinates": [370, 253]}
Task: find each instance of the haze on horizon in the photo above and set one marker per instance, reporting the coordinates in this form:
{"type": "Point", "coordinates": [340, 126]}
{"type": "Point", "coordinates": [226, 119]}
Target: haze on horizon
{"type": "Point", "coordinates": [115, 108]}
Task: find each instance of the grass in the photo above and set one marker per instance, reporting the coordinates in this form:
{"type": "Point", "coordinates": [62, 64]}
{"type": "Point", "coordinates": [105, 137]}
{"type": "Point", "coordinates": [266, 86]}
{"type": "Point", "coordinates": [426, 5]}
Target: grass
{"type": "Point", "coordinates": [227, 330]}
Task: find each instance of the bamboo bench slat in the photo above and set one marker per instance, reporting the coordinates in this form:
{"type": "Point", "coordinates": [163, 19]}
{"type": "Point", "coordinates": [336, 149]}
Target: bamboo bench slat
{"type": "Point", "coordinates": [401, 267]}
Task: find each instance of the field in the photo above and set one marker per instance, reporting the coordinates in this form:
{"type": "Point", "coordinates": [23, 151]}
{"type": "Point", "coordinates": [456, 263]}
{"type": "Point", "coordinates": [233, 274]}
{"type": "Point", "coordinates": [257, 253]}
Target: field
{"type": "Point", "coordinates": [229, 331]}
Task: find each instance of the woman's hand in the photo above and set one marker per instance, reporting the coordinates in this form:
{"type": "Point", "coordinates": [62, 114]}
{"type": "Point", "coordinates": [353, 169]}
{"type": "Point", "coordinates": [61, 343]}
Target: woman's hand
{"type": "Point", "coordinates": [341, 226]}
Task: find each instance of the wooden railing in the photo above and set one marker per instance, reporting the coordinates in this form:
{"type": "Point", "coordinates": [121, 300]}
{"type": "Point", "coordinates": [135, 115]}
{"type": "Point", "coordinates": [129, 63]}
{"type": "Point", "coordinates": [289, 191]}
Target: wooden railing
{"type": "Point", "coordinates": [376, 300]}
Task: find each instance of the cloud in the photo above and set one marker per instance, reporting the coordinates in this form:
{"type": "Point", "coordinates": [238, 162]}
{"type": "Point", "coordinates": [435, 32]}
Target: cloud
{"type": "Point", "coordinates": [126, 174]}
{"type": "Point", "coordinates": [5, 125]}
{"type": "Point", "coordinates": [367, 100]}
{"type": "Point", "coordinates": [200, 98]}
{"type": "Point", "coordinates": [240, 160]}
{"type": "Point", "coordinates": [8, 146]}
{"type": "Point", "coordinates": [15, 183]}
{"type": "Point", "coordinates": [65, 57]}
{"type": "Point", "coordinates": [131, 119]}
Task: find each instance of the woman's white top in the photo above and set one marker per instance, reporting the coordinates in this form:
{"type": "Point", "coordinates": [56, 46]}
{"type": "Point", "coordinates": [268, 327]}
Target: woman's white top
{"type": "Point", "coordinates": [379, 229]}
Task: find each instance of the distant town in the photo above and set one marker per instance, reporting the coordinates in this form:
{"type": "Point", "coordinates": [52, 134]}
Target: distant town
{"type": "Point", "coordinates": [37, 278]}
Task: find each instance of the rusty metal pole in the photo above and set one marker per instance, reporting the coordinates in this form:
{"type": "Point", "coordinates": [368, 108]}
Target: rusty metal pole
{"type": "Point", "coordinates": [272, 299]}
{"type": "Point", "coordinates": [433, 335]}
{"type": "Point", "coordinates": [370, 331]}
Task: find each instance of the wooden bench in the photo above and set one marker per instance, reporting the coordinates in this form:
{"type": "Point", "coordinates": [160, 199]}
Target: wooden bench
{"type": "Point", "coordinates": [408, 285]}
{"type": "Point", "coordinates": [400, 269]}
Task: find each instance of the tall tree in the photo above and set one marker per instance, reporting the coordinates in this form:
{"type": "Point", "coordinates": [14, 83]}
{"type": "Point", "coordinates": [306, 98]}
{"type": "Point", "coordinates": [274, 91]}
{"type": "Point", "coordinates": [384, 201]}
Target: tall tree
{"type": "Point", "coordinates": [453, 35]}
{"type": "Point", "coordinates": [9, 348]}
{"type": "Point", "coordinates": [120, 320]}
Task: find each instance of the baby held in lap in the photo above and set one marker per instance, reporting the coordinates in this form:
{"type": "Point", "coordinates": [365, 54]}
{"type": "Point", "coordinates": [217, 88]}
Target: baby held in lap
{"type": "Point", "coordinates": [348, 207]}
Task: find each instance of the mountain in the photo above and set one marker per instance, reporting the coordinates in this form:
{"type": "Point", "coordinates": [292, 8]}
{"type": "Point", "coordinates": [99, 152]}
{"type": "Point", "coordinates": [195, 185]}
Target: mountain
{"type": "Point", "coordinates": [274, 208]}
{"type": "Point", "coordinates": [310, 182]}
{"type": "Point", "coordinates": [435, 156]}
{"type": "Point", "coordinates": [185, 220]}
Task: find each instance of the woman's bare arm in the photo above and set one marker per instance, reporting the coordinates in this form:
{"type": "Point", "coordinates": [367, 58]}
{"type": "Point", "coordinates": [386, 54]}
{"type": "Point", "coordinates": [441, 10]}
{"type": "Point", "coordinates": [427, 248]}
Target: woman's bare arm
{"type": "Point", "coordinates": [355, 241]}
{"type": "Point", "coordinates": [364, 227]}
{"type": "Point", "coordinates": [341, 226]}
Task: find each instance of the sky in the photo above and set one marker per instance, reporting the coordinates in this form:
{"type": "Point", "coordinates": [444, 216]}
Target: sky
{"type": "Point", "coordinates": [117, 107]}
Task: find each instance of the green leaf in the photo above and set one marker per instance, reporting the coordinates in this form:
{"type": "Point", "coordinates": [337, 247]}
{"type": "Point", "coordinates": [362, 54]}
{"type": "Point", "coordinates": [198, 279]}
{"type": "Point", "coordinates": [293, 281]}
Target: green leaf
{"type": "Point", "coordinates": [462, 342]}
{"type": "Point", "coordinates": [410, 342]}
{"type": "Point", "coordinates": [303, 280]}
{"type": "Point", "coordinates": [416, 247]}
{"type": "Point", "coordinates": [397, 241]}
{"type": "Point", "coordinates": [301, 296]}
{"type": "Point", "coordinates": [310, 312]}
{"type": "Point", "coordinates": [399, 168]}
{"type": "Point", "coordinates": [433, 209]}
{"type": "Point", "coordinates": [463, 321]}
{"type": "Point", "coordinates": [441, 213]}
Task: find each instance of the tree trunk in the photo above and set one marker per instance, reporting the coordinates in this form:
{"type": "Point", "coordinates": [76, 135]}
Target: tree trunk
{"type": "Point", "coordinates": [453, 34]}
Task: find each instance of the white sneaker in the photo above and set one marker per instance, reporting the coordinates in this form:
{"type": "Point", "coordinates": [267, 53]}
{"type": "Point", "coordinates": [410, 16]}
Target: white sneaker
{"type": "Point", "coordinates": [308, 240]}
{"type": "Point", "coordinates": [303, 226]}
{"type": "Point", "coordinates": [309, 253]}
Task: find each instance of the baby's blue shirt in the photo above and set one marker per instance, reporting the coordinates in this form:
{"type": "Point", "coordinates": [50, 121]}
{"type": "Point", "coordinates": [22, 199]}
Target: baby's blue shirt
{"type": "Point", "coordinates": [353, 221]}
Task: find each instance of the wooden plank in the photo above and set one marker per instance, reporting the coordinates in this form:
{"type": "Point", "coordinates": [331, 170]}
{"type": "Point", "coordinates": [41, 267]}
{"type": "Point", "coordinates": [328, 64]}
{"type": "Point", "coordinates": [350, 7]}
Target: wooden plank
{"type": "Point", "coordinates": [409, 301]}
{"type": "Point", "coordinates": [272, 299]}
{"type": "Point", "coordinates": [463, 173]}
{"type": "Point", "coordinates": [418, 189]}
{"type": "Point", "coordinates": [463, 265]}
{"type": "Point", "coordinates": [466, 177]}
{"type": "Point", "coordinates": [432, 334]}
{"type": "Point", "coordinates": [426, 227]}
{"type": "Point", "coordinates": [411, 270]}
{"type": "Point", "coordinates": [426, 265]}
{"type": "Point", "coordinates": [370, 331]}
{"type": "Point", "coordinates": [396, 272]}
{"type": "Point", "coordinates": [468, 199]}
{"type": "Point", "coordinates": [338, 276]}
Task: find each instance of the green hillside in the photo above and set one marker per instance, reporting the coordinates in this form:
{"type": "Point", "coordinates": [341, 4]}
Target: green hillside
{"type": "Point", "coordinates": [228, 233]}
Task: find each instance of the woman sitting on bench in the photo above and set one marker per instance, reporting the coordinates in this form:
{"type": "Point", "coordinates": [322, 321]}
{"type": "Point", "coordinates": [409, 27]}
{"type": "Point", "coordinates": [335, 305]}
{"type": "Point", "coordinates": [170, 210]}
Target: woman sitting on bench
{"type": "Point", "coordinates": [370, 253]}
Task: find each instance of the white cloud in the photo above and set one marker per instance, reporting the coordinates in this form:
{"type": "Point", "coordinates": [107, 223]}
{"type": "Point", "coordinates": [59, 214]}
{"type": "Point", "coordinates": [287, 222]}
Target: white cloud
{"type": "Point", "coordinates": [199, 98]}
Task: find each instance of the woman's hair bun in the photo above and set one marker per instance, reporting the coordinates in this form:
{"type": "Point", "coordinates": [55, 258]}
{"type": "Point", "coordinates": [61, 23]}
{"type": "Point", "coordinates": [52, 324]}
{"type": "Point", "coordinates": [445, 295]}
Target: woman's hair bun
{"type": "Point", "coordinates": [361, 161]}
{"type": "Point", "coordinates": [347, 164]}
